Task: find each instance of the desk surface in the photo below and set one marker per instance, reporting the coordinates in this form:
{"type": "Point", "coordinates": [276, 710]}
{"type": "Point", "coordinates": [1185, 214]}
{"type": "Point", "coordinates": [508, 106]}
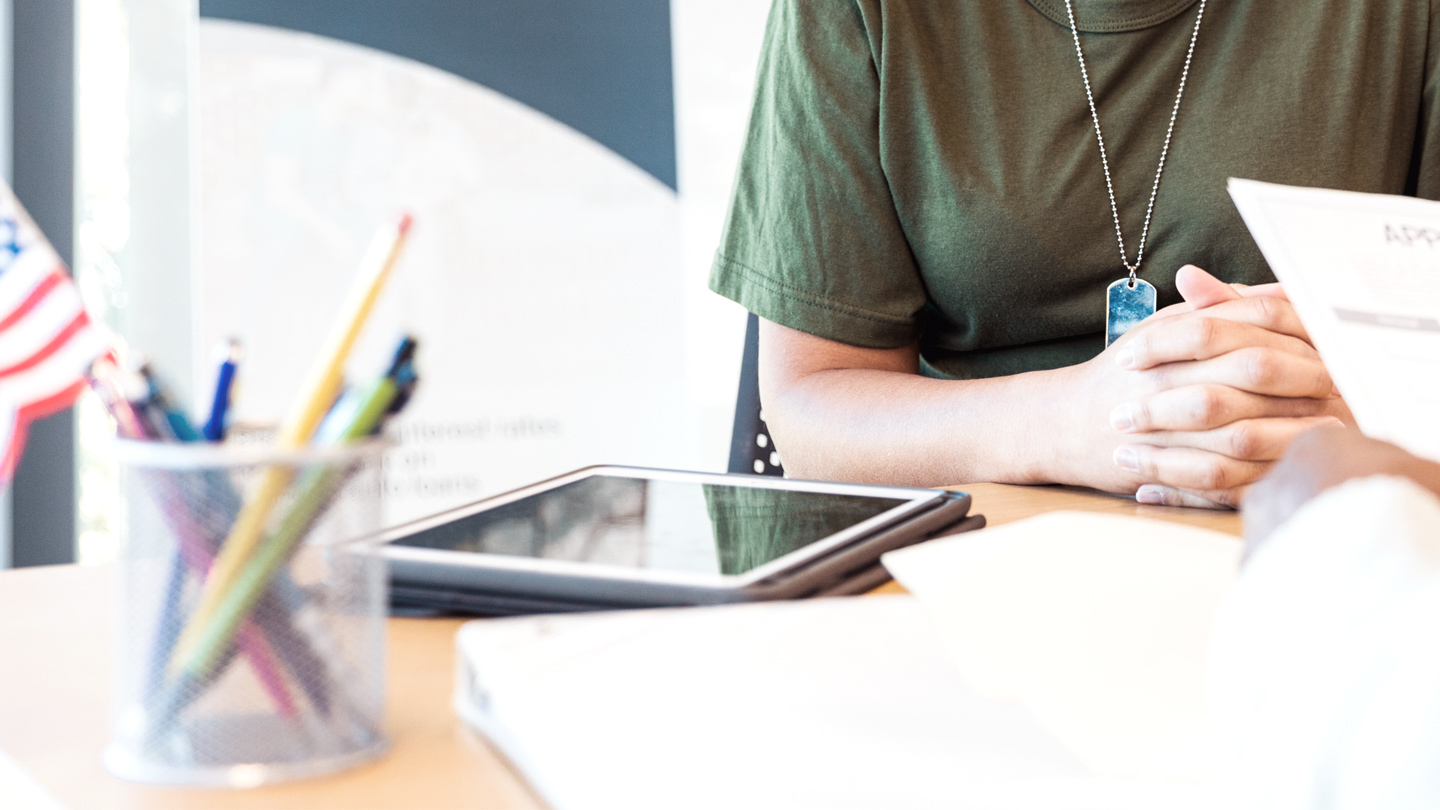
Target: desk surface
{"type": "Point", "coordinates": [54, 692]}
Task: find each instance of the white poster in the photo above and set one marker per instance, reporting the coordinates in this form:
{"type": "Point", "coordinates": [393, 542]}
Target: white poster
{"type": "Point", "coordinates": [561, 320]}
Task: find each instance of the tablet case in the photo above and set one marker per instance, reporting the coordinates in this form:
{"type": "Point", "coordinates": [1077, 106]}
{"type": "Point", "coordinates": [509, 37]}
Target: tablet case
{"type": "Point", "coordinates": [850, 569]}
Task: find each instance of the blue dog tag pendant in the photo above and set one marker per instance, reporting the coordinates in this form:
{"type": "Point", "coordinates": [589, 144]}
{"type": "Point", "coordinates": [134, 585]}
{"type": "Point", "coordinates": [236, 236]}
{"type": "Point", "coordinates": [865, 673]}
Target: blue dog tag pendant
{"type": "Point", "coordinates": [1127, 302]}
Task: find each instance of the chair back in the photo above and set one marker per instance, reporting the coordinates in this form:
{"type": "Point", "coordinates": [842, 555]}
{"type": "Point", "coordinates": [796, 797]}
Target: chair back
{"type": "Point", "coordinates": [751, 448]}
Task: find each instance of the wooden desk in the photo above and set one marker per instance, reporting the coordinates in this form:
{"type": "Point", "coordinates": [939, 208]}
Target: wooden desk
{"type": "Point", "coordinates": [54, 692]}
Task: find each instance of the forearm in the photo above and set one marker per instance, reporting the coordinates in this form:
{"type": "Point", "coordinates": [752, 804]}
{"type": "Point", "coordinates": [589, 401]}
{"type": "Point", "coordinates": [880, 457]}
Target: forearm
{"type": "Point", "coordinates": [1205, 408]}
{"type": "Point", "coordinates": [1322, 651]}
{"type": "Point", "coordinates": [1321, 460]}
{"type": "Point", "coordinates": [901, 428]}
{"type": "Point", "coordinates": [1425, 473]}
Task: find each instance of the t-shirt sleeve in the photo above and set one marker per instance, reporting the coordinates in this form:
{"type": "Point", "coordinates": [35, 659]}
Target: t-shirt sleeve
{"type": "Point", "coordinates": [812, 240]}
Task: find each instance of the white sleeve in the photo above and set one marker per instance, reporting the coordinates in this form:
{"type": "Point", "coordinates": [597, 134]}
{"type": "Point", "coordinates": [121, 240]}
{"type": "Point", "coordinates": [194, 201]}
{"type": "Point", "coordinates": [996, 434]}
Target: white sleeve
{"type": "Point", "coordinates": [1325, 663]}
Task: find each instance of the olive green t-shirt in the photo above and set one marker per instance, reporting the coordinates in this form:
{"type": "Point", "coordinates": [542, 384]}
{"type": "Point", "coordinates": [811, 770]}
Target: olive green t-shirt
{"type": "Point", "coordinates": [927, 169]}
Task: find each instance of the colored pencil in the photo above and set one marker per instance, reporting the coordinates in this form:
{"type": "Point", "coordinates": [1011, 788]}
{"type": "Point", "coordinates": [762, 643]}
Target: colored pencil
{"type": "Point", "coordinates": [318, 396]}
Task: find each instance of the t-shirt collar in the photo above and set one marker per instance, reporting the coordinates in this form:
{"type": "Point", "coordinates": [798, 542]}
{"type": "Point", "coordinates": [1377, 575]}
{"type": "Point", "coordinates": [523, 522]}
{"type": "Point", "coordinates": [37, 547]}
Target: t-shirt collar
{"type": "Point", "coordinates": [1112, 16]}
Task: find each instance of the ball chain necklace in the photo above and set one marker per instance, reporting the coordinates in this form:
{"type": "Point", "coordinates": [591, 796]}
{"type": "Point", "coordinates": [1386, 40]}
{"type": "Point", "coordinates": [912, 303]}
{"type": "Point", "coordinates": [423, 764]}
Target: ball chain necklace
{"type": "Point", "coordinates": [1130, 300]}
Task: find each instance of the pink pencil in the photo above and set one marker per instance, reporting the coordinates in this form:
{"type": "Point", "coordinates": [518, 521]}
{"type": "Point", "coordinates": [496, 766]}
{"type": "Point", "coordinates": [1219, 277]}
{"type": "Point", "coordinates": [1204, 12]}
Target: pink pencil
{"type": "Point", "coordinates": [253, 643]}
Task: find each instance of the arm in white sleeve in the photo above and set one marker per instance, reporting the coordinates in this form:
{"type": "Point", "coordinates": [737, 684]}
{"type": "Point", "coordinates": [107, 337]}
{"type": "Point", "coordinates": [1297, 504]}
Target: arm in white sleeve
{"type": "Point", "coordinates": [1325, 664]}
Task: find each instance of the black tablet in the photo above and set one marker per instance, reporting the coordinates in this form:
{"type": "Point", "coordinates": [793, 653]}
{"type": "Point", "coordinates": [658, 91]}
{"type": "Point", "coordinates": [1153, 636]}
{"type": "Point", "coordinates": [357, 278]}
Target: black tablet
{"type": "Point", "coordinates": [619, 537]}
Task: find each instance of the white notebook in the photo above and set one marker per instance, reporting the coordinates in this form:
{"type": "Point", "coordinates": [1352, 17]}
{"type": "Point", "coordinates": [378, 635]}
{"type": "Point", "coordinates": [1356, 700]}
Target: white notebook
{"type": "Point", "coordinates": [859, 702]}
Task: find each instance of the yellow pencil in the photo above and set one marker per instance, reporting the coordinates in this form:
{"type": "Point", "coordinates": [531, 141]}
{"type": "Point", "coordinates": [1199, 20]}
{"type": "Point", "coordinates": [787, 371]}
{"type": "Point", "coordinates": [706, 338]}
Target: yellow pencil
{"type": "Point", "coordinates": [319, 393]}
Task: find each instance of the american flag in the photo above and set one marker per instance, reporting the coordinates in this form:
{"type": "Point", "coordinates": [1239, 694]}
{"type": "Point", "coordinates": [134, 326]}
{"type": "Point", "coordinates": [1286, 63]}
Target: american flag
{"type": "Point", "coordinates": [47, 341]}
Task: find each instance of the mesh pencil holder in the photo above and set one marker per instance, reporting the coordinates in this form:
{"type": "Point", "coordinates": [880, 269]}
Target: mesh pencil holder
{"type": "Point", "coordinates": [252, 614]}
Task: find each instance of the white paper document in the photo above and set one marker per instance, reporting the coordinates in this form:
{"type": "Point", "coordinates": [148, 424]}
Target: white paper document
{"type": "Point", "coordinates": [18, 791]}
{"type": "Point", "coordinates": [1098, 625]}
{"type": "Point", "coordinates": [1086, 691]}
{"type": "Point", "coordinates": [1363, 271]}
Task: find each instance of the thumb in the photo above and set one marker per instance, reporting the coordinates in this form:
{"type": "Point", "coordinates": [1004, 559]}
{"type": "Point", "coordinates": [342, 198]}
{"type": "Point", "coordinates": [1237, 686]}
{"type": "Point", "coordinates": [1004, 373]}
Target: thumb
{"type": "Point", "coordinates": [1200, 289]}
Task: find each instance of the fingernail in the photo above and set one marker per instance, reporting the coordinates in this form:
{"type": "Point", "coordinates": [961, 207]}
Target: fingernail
{"type": "Point", "coordinates": [1127, 458]}
{"type": "Point", "coordinates": [1150, 494]}
{"type": "Point", "coordinates": [1123, 418]}
{"type": "Point", "coordinates": [1126, 357]}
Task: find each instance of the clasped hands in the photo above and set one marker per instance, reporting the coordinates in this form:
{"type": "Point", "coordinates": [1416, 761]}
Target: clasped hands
{"type": "Point", "coordinates": [1203, 397]}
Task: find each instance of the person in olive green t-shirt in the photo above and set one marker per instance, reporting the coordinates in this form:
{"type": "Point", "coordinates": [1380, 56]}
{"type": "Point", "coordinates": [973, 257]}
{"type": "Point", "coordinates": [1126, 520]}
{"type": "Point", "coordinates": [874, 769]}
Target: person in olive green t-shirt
{"type": "Point", "coordinates": [921, 221]}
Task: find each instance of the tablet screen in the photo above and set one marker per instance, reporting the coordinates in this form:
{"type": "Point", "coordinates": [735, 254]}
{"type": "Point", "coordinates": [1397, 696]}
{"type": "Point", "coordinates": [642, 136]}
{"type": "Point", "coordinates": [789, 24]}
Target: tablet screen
{"type": "Point", "coordinates": [655, 524]}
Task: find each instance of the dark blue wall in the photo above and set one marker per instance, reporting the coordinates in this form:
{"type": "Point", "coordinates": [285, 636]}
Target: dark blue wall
{"type": "Point", "coordinates": [43, 157]}
{"type": "Point", "coordinates": [600, 66]}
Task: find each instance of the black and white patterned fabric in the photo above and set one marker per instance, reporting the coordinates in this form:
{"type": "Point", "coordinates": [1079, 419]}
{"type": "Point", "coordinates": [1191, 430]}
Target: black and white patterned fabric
{"type": "Point", "coordinates": [752, 450]}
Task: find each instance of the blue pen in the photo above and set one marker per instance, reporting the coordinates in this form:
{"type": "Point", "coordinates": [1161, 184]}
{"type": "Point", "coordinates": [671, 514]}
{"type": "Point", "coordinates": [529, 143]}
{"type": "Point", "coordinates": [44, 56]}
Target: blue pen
{"type": "Point", "coordinates": [224, 380]}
